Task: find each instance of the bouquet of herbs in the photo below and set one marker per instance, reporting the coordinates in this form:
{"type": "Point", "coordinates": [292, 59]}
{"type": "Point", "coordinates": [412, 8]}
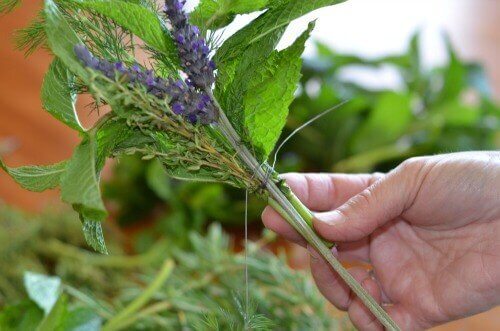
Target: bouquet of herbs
{"type": "Point", "coordinates": [206, 112]}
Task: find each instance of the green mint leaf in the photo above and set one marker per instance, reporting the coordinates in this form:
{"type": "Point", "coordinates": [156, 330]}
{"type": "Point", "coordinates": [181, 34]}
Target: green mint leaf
{"type": "Point", "coordinates": [158, 181]}
{"type": "Point", "coordinates": [80, 183]}
{"type": "Point", "coordinates": [62, 39]}
{"type": "Point", "coordinates": [115, 136]}
{"type": "Point", "coordinates": [20, 317]}
{"type": "Point", "coordinates": [277, 17]}
{"type": "Point", "coordinates": [58, 98]}
{"type": "Point", "coordinates": [141, 21]}
{"type": "Point", "coordinates": [92, 231]}
{"type": "Point", "coordinates": [57, 317]}
{"type": "Point", "coordinates": [377, 130]}
{"type": "Point", "coordinates": [215, 14]}
{"type": "Point", "coordinates": [36, 178]}
{"type": "Point", "coordinates": [266, 91]}
{"type": "Point", "coordinates": [43, 290]}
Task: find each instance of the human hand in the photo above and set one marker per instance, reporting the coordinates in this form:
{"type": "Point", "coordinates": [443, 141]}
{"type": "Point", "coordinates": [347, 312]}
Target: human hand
{"type": "Point", "coordinates": [430, 229]}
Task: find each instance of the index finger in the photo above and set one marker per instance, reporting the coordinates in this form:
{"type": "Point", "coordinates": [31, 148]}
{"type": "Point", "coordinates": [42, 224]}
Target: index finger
{"type": "Point", "coordinates": [319, 192]}
{"type": "Point", "coordinates": [325, 192]}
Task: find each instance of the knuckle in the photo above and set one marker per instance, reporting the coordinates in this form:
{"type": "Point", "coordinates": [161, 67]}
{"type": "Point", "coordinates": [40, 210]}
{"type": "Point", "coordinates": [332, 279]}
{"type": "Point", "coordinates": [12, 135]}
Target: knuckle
{"type": "Point", "coordinates": [412, 164]}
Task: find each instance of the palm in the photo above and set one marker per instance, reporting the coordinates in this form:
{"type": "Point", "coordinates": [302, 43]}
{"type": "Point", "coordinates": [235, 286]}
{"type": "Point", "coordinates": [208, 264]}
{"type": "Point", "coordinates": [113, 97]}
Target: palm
{"type": "Point", "coordinates": [423, 270]}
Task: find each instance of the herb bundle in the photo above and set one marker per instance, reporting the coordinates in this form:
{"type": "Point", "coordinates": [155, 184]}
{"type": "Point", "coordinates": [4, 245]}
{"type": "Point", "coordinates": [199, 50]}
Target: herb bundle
{"type": "Point", "coordinates": [206, 114]}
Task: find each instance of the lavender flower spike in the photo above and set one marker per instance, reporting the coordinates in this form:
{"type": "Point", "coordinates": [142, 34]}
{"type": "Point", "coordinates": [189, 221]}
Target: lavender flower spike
{"type": "Point", "coordinates": [193, 50]}
{"type": "Point", "coordinates": [184, 99]}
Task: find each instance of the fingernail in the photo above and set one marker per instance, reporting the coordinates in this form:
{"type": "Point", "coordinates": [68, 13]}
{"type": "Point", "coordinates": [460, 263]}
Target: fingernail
{"type": "Point", "coordinates": [330, 218]}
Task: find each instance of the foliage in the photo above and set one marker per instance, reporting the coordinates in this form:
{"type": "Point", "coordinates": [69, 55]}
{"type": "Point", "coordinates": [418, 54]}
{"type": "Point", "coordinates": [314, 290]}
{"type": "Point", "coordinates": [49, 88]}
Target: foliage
{"type": "Point", "coordinates": [200, 291]}
{"type": "Point", "coordinates": [444, 109]}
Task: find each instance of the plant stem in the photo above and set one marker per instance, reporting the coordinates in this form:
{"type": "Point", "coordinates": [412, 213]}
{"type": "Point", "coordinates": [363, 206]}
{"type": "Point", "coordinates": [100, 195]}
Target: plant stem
{"type": "Point", "coordinates": [120, 319]}
{"type": "Point", "coordinates": [298, 216]}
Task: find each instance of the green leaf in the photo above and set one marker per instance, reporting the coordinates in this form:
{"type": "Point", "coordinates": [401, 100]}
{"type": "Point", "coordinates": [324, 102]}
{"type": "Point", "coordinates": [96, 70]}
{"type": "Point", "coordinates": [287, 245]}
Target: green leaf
{"type": "Point", "coordinates": [55, 320]}
{"type": "Point", "coordinates": [92, 231]}
{"type": "Point", "coordinates": [36, 178]}
{"type": "Point", "coordinates": [43, 290]}
{"type": "Point", "coordinates": [158, 181]}
{"type": "Point", "coordinates": [455, 75]}
{"type": "Point", "coordinates": [80, 188]}
{"type": "Point", "coordinates": [80, 183]}
{"type": "Point", "coordinates": [266, 92]}
{"type": "Point", "coordinates": [115, 136]}
{"type": "Point", "coordinates": [62, 39]}
{"type": "Point", "coordinates": [215, 14]}
{"type": "Point", "coordinates": [276, 18]}
{"type": "Point", "coordinates": [458, 114]}
{"type": "Point", "coordinates": [20, 317]}
{"type": "Point", "coordinates": [270, 93]}
{"type": "Point", "coordinates": [58, 98]}
{"type": "Point", "coordinates": [141, 21]}
{"type": "Point", "coordinates": [387, 122]}
{"type": "Point", "coordinates": [82, 319]}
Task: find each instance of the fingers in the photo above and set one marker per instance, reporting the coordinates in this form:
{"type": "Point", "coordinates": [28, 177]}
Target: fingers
{"type": "Point", "coordinates": [323, 192]}
{"type": "Point", "coordinates": [273, 221]}
{"type": "Point", "coordinates": [363, 213]}
{"type": "Point", "coordinates": [329, 282]}
{"type": "Point", "coordinates": [404, 319]}
{"type": "Point", "coordinates": [317, 192]}
{"type": "Point", "coordinates": [360, 316]}
{"type": "Point", "coordinates": [335, 290]}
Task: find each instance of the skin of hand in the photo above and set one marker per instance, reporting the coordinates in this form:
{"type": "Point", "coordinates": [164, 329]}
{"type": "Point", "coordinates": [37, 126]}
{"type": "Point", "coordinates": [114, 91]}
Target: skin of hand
{"type": "Point", "coordinates": [430, 229]}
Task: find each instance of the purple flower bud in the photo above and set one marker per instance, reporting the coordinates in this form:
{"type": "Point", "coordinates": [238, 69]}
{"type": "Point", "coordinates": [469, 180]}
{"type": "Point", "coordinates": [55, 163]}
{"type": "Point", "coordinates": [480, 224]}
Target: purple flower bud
{"type": "Point", "coordinates": [83, 54]}
{"type": "Point", "coordinates": [191, 118]}
{"type": "Point", "coordinates": [119, 66]}
{"type": "Point", "coordinates": [184, 99]}
{"type": "Point", "coordinates": [205, 98]}
{"type": "Point", "coordinates": [135, 67]}
{"type": "Point", "coordinates": [180, 39]}
{"type": "Point", "coordinates": [193, 50]}
{"type": "Point", "coordinates": [177, 108]}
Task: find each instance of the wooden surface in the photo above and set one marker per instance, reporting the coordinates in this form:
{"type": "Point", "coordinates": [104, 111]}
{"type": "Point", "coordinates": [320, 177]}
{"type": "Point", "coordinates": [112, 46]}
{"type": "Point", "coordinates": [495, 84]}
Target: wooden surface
{"type": "Point", "coordinates": [42, 140]}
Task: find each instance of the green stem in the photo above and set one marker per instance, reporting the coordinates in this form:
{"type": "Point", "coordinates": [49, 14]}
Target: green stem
{"type": "Point", "coordinates": [293, 215]}
{"type": "Point", "coordinates": [120, 319]}
{"type": "Point", "coordinates": [56, 247]}
{"type": "Point", "coordinates": [303, 211]}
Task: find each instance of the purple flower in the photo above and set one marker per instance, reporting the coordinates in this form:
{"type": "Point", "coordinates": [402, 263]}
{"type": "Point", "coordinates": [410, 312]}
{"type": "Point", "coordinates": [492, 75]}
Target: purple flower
{"type": "Point", "coordinates": [184, 100]}
{"type": "Point", "coordinates": [193, 50]}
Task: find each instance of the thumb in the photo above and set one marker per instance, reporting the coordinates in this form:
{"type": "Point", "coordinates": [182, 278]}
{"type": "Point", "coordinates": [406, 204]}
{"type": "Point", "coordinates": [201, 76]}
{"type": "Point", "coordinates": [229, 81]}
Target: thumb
{"type": "Point", "coordinates": [381, 202]}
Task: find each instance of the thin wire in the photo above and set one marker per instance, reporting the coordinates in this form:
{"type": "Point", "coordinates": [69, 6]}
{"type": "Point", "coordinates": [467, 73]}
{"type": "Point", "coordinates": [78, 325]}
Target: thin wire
{"type": "Point", "coordinates": [246, 258]}
{"type": "Point", "coordinates": [323, 113]}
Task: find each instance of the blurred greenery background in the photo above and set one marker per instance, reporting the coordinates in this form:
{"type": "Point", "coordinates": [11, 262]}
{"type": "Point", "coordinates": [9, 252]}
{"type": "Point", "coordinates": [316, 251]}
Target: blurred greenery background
{"type": "Point", "coordinates": [158, 220]}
